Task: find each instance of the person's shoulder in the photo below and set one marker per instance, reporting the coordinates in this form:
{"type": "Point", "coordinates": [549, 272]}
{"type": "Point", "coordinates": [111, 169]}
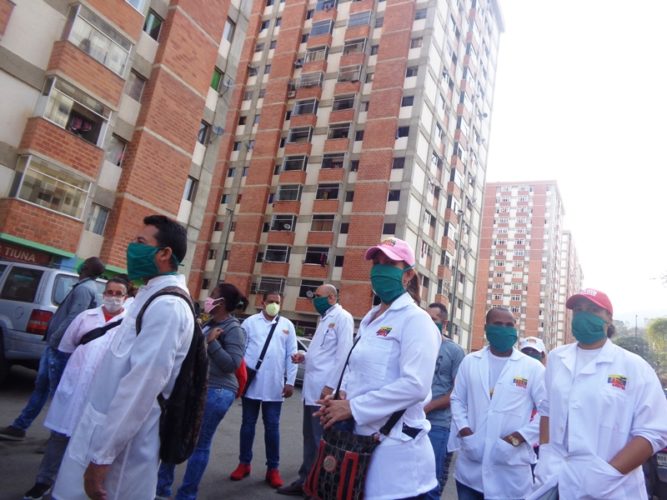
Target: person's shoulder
{"type": "Point", "coordinates": [286, 322]}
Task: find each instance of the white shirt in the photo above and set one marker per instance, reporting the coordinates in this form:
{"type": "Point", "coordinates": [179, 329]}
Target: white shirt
{"type": "Point", "coordinates": [120, 421]}
{"type": "Point", "coordinates": [486, 462]}
{"type": "Point", "coordinates": [327, 353]}
{"type": "Point", "coordinates": [277, 368]}
{"type": "Point", "coordinates": [612, 399]}
{"type": "Point", "coordinates": [72, 392]}
{"type": "Point", "coordinates": [391, 368]}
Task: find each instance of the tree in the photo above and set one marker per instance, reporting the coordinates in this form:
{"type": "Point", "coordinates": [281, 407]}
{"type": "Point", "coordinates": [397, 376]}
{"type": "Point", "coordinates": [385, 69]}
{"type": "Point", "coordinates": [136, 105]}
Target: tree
{"type": "Point", "coordinates": [639, 346]}
{"type": "Point", "coordinates": [621, 328]}
{"type": "Point", "coordinates": [657, 337]}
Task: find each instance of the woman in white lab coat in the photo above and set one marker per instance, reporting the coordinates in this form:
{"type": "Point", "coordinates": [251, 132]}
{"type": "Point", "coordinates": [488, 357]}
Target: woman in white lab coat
{"type": "Point", "coordinates": [604, 414]}
{"type": "Point", "coordinates": [390, 369]}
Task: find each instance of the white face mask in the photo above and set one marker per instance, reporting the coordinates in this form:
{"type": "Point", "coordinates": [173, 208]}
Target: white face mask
{"type": "Point", "coordinates": [112, 304]}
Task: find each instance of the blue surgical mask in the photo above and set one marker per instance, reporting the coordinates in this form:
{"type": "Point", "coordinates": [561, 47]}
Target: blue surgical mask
{"type": "Point", "coordinates": [588, 328]}
{"type": "Point", "coordinates": [501, 338]}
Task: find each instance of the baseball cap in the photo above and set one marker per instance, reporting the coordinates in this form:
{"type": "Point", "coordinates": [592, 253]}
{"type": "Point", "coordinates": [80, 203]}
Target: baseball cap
{"type": "Point", "coordinates": [595, 296]}
{"type": "Point", "coordinates": [532, 343]}
{"type": "Point", "coordinates": [395, 249]}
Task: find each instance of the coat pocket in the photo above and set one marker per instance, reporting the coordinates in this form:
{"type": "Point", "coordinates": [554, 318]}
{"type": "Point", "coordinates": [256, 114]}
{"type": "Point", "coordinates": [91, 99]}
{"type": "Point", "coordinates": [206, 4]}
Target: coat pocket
{"type": "Point", "coordinates": [79, 444]}
{"type": "Point", "coordinates": [503, 453]}
{"type": "Point", "coordinates": [473, 447]}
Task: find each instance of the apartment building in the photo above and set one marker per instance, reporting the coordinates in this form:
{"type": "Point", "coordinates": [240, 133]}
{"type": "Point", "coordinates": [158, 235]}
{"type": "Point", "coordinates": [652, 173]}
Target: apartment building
{"type": "Point", "coordinates": [108, 114]}
{"type": "Point", "coordinates": [527, 261]}
{"type": "Point", "coordinates": [353, 121]}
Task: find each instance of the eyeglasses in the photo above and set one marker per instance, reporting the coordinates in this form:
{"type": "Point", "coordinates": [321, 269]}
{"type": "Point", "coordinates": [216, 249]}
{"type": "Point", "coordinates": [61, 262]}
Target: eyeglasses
{"type": "Point", "coordinates": [110, 293]}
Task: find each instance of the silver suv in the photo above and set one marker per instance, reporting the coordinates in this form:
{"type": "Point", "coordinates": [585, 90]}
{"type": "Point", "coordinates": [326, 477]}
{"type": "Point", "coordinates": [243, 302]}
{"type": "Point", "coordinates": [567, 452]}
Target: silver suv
{"type": "Point", "coordinates": [29, 295]}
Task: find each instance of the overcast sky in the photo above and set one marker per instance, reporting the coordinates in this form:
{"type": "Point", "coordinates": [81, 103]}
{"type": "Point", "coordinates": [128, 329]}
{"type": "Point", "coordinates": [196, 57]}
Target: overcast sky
{"type": "Point", "coordinates": [580, 97]}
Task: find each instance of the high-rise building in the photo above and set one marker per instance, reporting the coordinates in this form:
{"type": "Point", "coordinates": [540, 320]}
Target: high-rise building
{"type": "Point", "coordinates": [108, 114]}
{"type": "Point", "coordinates": [353, 121]}
{"type": "Point", "coordinates": [571, 277]}
{"type": "Point", "coordinates": [527, 262]}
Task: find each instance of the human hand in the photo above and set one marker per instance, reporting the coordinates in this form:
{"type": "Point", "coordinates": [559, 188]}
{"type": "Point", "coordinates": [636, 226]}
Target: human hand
{"type": "Point", "coordinates": [515, 439]}
{"type": "Point", "coordinates": [288, 390]}
{"type": "Point", "coordinates": [465, 432]}
{"type": "Point", "coordinates": [332, 411]}
{"type": "Point", "coordinates": [326, 391]}
{"type": "Point", "coordinates": [214, 333]}
{"type": "Point", "coordinates": [298, 357]}
{"type": "Point", "coordinates": [93, 481]}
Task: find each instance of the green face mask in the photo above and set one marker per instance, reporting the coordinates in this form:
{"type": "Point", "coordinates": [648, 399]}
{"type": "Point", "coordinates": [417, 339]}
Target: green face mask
{"type": "Point", "coordinates": [321, 304]}
{"type": "Point", "coordinates": [141, 261]}
{"type": "Point", "coordinates": [438, 326]}
{"type": "Point", "coordinates": [588, 328]}
{"type": "Point", "coordinates": [387, 282]}
{"type": "Point", "coordinates": [501, 338]}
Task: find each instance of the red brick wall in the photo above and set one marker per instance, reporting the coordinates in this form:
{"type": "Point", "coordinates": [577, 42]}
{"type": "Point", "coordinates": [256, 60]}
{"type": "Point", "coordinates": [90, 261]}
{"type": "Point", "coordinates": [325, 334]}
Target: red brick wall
{"type": "Point", "coordinates": [122, 14]}
{"type": "Point", "coordinates": [6, 8]}
{"type": "Point", "coordinates": [42, 136]}
{"type": "Point", "coordinates": [33, 223]}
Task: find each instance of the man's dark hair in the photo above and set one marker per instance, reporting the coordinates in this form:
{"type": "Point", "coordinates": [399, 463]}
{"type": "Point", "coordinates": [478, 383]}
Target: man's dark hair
{"type": "Point", "coordinates": [443, 310]}
{"type": "Point", "coordinates": [120, 280]}
{"type": "Point", "coordinates": [169, 234]}
{"type": "Point", "coordinates": [92, 267]}
{"type": "Point", "coordinates": [499, 308]}
{"type": "Point", "coordinates": [272, 292]}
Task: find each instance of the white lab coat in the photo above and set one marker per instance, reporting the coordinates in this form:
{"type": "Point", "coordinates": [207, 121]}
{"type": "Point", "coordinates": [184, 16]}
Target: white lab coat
{"type": "Point", "coordinates": [485, 462]}
{"type": "Point", "coordinates": [277, 368]}
{"type": "Point", "coordinates": [327, 353]}
{"type": "Point", "coordinates": [614, 398]}
{"type": "Point", "coordinates": [72, 393]}
{"type": "Point", "coordinates": [391, 368]}
{"type": "Point", "coordinates": [120, 421]}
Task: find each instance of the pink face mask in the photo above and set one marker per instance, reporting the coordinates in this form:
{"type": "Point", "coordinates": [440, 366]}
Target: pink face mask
{"type": "Point", "coordinates": [210, 304]}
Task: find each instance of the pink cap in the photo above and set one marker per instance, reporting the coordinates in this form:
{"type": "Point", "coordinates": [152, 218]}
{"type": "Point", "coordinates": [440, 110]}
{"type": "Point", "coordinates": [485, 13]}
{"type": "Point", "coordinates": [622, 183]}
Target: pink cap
{"type": "Point", "coordinates": [595, 296]}
{"type": "Point", "coordinates": [395, 249]}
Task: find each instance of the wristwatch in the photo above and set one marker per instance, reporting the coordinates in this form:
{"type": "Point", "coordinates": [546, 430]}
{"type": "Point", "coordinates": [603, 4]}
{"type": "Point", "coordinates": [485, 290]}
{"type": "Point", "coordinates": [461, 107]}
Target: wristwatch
{"type": "Point", "coordinates": [514, 441]}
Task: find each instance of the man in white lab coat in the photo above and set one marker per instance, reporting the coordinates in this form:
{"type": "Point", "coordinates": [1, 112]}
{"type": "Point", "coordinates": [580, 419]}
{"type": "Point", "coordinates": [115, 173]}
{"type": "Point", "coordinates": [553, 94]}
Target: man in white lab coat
{"type": "Point", "coordinates": [323, 364]}
{"type": "Point", "coordinates": [116, 441]}
{"type": "Point", "coordinates": [273, 382]}
{"type": "Point", "coordinates": [495, 392]}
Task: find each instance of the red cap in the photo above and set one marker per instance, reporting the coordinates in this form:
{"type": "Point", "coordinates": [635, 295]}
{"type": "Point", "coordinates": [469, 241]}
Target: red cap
{"type": "Point", "coordinates": [395, 249]}
{"type": "Point", "coordinates": [595, 296]}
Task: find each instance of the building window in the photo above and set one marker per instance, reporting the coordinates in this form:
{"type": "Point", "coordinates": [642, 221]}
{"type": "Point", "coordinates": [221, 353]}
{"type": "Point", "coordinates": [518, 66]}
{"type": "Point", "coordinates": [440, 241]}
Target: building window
{"type": "Point", "coordinates": [231, 172]}
{"type": "Point", "coordinates": [354, 166]}
{"type": "Point", "coordinates": [307, 107]}
{"type": "Point", "coordinates": [327, 192]}
{"type": "Point", "coordinates": [137, 4]}
{"type": "Point", "coordinates": [316, 54]}
{"type": "Point", "coordinates": [301, 134]}
{"type": "Point", "coordinates": [398, 163]}
{"type": "Point", "coordinates": [343, 102]}
{"type": "Point", "coordinates": [259, 47]}
{"type": "Point", "coordinates": [276, 253]}
{"type": "Point", "coordinates": [349, 196]}
{"type": "Point", "coordinates": [247, 95]}
{"type": "Point", "coordinates": [204, 132]}
{"type": "Point", "coordinates": [217, 79]}
{"type": "Point", "coordinates": [295, 163]}
{"type": "Point", "coordinates": [374, 49]}
{"type": "Point", "coordinates": [279, 21]}
{"type": "Point", "coordinates": [322, 223]}
{"type": "Point", "coordinates": [228, 32]}
{"type": "Point", "coordinates": [379, 22]}
{"type": "Point", "coordinates": [97, 219]}
{"type": "Point", "coordinates": [402, 132]}
{"type": "Point", "coordinates": [359, 18]}
{"type": "Point", "coordinates": [407, 100]}
{"type": "Point", "coordinates": [317, 255]}
{"type": "Point", "coordinates": [71, 109]}
{"type": "Point", "coordinates": [308, 287]}
{"type": "Point", "coordinates": [289, 192]}
{"type": "Point", "coordinates": [153, 25]}
{"type": "Point", "coordinates": [415, 43]}
{"type": "Point", "coordinates": [267, 69]}
{"type": "Point", "coordinates": [325, 5]}
{"type": "Point", "coordinates": [411, 71]}
{"type": "Point", "coordinates": [41, 183]}
{"type": "Point", "coordinates": [339, 260]}
{"type": "Point", "coordinates": [333, 160]}
{"type": "Point", "coordinates": [304, 37]}
{"type": "Point", "coordinates": [282, 223]}
{"type": "Point", "coordinates": [354, 46]}
{"type": "Point", "coordinates": [349, 73]}
{"type": "Point", "coordinates": [190, 189]}
{"type": "Point", "coordinates": [273, 44]}
{"type": "Point", "coordinates": [309, 13]}
{"type": "Point", "coordinates": [338, 131]}
{"type": "Point", "coordinates": [252, 70]}
{"type": "Point", "coordinates": [264, 25]}
{"type": "Point", "coordinates": [311, 80]}
{"type": "Point", "coordinates": [420, 14]}
{"type": "Point", "coordinates": [135, 86]}
{"type": "Point", "coordinates": [369, 77]}
{"type": "Point", "coordinates": [116, 150]}
{"type": "Point", "coordinates": [363, 106]}
{"type": "Point", "coordinates": [321, 28]}
{"type": "Point", "coordinates": [99, 39]}
{"type": "Point", "coordinates": [394, 195]}
{"type": "Point", "coordinates": [344, 227]}
{"type": "Point", "coordinates": [268, 285]}
{"type": "Point", "coordinates": [359, 135]}
{"type": "Point", "coordinates": [389, 228]}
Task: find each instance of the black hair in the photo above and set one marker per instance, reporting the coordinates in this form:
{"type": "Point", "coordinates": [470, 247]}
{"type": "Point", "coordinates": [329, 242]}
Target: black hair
{"type": "Point", "coordinates": [121, 281]}
{"type": "Point", "coordinates": [611, 330]}
{"type": "Point", "coordinates": [499, 308]}
{"type": "Point", "coordinates": [169, 234]}
{"type": "Point", "coordinates": [414, 288]}
{"type": "Point", "coordinates": [92, 267]}
{"type": "Point", "coordinates": [272, 292]}
{"type": "Point", "coordinates": [131, 289]}
{"type": "Point", "coordinates": [443, 310]}
{"type": "Point", "coordinates": [234, 299]}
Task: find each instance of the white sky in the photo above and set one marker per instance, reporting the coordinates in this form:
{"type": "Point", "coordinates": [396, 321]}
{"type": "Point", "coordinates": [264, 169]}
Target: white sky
{"type": "Point", "coordinates": [581, 97]}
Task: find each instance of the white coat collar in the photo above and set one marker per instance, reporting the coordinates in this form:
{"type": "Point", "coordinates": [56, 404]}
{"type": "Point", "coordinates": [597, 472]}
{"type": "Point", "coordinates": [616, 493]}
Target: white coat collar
{"type": "Point", "coordinates": [164, 281]}
{"type": "Point", "coordinates": [331, 311]}
{"type": "Point", "coordinates": [403, 301]}
{"type": "Point", "coordinates": [516, 355]}
{"type": "Point", "coordinates": [568, 356]}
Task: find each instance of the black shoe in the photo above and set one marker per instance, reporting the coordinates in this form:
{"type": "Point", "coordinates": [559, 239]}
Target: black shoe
{"type": "Point", "coordinates": [11, 433]}
{"type": "Point", "coordinates": [37, 492]}
{"type": "Point", "coordinates": [294, 489]}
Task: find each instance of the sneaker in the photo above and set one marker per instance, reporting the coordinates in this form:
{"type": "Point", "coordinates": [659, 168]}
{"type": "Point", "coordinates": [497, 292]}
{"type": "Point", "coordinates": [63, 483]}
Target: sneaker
{"type": "Point", "coordinates": [294, 489]}
{"type": "Point", "coordinates": [273, 478]}
{"type": "Point", "coordinates": [11, 433]}
{"type": "Point", "coordinates": [241, 471]}
{"type": "Point", "coordinates": [37, 492]}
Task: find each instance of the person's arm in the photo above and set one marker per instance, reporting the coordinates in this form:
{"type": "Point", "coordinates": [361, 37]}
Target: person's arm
{"type": "Point", "coordinates": [544, 430]}
{"type": "Point", "coordinates": [152, 360]}
{"type": "Point", "coordinates": [79, 301]}
{"type": "Point", "coordinates": [632, 455]}
{"type": "Point", "coordinates": [344, 333]}
{"type": "Point", "coordinates": [72, 335]}
{"type": "Point", "coordinates": [226, 351]}
{"type": "Point", "coordinates": [530, 433]}
{"type": "Point", "coordinates": [290, 348]}
{"type": "Point", "coordinates": [441, 402]}
{"type": "Point", "coordinates": [459, 400]}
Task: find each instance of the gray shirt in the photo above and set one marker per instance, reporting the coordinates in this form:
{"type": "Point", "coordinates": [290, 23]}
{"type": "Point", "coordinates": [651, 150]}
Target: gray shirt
{"type": "Point", "coordinates": [449, 358]}
{"type": "Point", "coordinates": [79, 298]}
{"type": "Point", "coordinates": [225, 354]}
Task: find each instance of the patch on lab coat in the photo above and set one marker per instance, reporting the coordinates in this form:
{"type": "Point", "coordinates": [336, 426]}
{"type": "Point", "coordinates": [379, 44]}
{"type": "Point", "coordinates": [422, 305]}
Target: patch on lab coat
{"type": "Point", "coordinates": [617, 381]}
{"type": "Point", "coordinates": [520, 382]}
{"type": "Point", "coordinates": [332, 325]}
{"type": "Point", "coordinates": [286, 331]}
{"type": "Point", "coordinates": [383, 331]}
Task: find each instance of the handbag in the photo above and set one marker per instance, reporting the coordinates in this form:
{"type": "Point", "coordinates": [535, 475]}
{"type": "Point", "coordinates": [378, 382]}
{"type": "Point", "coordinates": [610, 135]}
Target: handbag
{"type": "Point", "coordinates": [342, 460]}
{"type": "Point", "coordinates": [252, 372]}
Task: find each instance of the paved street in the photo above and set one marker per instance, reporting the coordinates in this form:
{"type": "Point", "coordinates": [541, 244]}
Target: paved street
{"type": "Point", "coordinates": [19, 461]}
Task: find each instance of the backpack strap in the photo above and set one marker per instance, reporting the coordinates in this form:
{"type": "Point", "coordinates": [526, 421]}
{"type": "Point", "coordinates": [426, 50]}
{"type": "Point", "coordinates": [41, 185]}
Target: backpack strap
{"type": "Point", "coordinates": [266, 343]}
{"type": "Point", "coordinates": [96, 333]}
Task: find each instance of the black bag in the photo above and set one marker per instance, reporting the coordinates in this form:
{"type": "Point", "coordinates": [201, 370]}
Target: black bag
{"type": "Point", "coordinates": [182, 413]}
{"type": "Point", "coordinates": [340, 467]}
{"type": "Point", "coordinates": [96, 333]}
{"type": "Point", "coordinates": [252, 372]}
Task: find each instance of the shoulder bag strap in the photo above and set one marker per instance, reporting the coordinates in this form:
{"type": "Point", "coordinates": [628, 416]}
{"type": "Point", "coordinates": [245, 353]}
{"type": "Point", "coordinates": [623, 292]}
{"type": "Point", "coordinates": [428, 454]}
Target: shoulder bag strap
{"type": "Point", "coordinates": [96, 333]}
{"type": "Point", "coordinates": [266, 344]}
{"type": "Point", "coordinates": [170, 290]}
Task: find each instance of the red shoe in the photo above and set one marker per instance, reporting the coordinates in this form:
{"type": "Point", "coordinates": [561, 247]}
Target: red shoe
{"type": "Point", "coordinates": [273, 478]}
{"type": "Point", "coordinates": [241, 471]}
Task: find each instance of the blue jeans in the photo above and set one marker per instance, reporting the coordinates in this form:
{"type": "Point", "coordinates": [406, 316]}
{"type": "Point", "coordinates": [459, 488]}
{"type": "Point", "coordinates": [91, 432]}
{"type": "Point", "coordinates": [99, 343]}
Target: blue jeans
{"type": "Point", "coordinates": [218, 401]}
{"type": "Point", "coordinates": [51, 367]}
{"type": "Point", "coordinates": [467, 493]}
{"type": "Point", "coordinates": [271, 419]}
{"type": "Point", "coordinates": [439, 436]}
